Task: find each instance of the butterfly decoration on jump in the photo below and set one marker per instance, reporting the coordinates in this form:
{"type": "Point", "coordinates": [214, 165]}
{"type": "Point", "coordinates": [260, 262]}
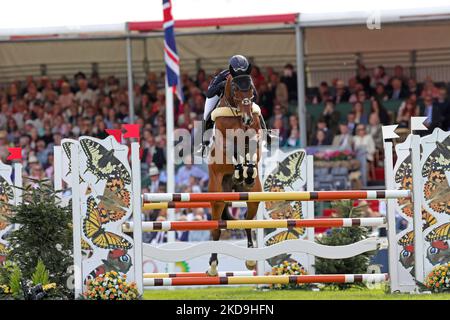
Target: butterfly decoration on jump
{"type": "Point", "coordinates": [66, 146]}
{"type": "Point", "coordinates": [6, 195]}
{"type": "Point", "coordinates": [436, 188]}
{"type": "Point", "coordinates": [286, 173]}
{"type": "Point", "coordinates": [94, 230]}
{"type": "Point", "coordinates": [439, 250]}
{"type": "Point", "coordinates": [403, 177]}
{"type": "Point", "coordinates": [102, 163]}
{"type": "Point", "coordinates": [284, 176]}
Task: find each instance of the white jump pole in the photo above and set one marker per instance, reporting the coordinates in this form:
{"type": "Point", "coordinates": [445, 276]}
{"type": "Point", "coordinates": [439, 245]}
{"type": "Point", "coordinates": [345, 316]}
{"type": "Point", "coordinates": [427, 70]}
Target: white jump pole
{"type": "Point", "coordinates": [310, 232]}
{"type": "Point", "coordinates": [57, 166]}
{"type": "Point", "coordinates": [170, 162]}
{"type": "Point", "coordinates": [76, 221]}
{"type": "Point", "coordinates": [137, 216]}
{"type": "Point", "coordinates": [388, 135]}
{"type": "Point", "coordinates": [417, 207]}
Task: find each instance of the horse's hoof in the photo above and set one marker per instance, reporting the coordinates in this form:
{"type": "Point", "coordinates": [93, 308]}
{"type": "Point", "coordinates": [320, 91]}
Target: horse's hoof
{"type": "Point", "coordinates": [250, 264]}
{"type": "Point", "coordinates": [212, 271]}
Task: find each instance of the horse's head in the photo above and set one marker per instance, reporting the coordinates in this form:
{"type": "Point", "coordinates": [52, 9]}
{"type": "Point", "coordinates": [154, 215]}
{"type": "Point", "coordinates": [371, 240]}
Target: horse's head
{"type": "Point", "coordinates": [240, 93]}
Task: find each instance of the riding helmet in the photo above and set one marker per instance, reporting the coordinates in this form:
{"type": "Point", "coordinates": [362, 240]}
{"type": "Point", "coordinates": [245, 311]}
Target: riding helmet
{"type": "Point", "coordinates": [239, 66]}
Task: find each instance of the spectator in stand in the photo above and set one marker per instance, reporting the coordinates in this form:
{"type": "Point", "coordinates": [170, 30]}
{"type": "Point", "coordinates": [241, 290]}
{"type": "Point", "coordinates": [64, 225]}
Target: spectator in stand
{"type": "Point", "coordinates": [324, 93]}
{"type": "Point", "coordinates": [265, 100]}
{"type": "Point", "coordinates": [398, 91]}
{"type": "Point", "coordinates": [433, 111]}
{"type": "Point", "coordinates": [341, 92]}
{"type": "Point", "coordinates": [282, 130]}
{"type": "Point", "coordinates": [364, 141]}
{"type": "Point", "coordinates": [289, 78]}
{"type": "Point", "coordinates": [200, 78]}
{"type": "Point", "coordinates": [353, 87]}
{"type": "Point", "coordinates": [360, 114]}
{"type": "Point", "coordinates": [443, 104]}
{"type": "Point", "coordinates": [331, 116]}
{"type": "Point", "coordinates": [293, 139]}
{"type": "Point", "coordinates": [279, 90]}
{"type": "Point", "coordinates": [187, 170]}
{"type": "Point", "coordinates": [151, 152]}
{"type": "Point", "coordinates": [279, 113]}
{"type": "Point", "coordinates": [344, 140]}
{"type": "Point", "coordinates": [380, 92]}
{"type": "Point", "coordinates": [257, 77]}
{"type": "Point", "coordinates": [377, 107]}
{"type": "Point", "coordinates": [412, 87]}
{"type": "Point", "coordinates": [399, 74]}
{"type": "Point", "coordinates": [322, 126]}
{"type": "Point", "coordinates": [380, 76]}
{"type": "Point", "coordinates": [410, 110]}
{"type": "Point", "coordinates": [429, 89]}
{"type": "Point", "coordinates": [320, 139]}
{"type": "Point", "coordinates": [351, 122]}
{"type": "Point", "coordinates": [374, 129]}
{"type": "Point", "coordinates": [358, 95]}
{"type": "Point", "coordinates": [66, 97]}
{"type": "Point", "coordinates": [363, 78]}
{"type": "Point", "coordinates": [85, 93]}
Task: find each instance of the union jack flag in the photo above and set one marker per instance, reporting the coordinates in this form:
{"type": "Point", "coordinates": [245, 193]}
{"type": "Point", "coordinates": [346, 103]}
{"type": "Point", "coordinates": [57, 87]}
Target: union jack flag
{"type": "Point", "coordinates": [170, 51]}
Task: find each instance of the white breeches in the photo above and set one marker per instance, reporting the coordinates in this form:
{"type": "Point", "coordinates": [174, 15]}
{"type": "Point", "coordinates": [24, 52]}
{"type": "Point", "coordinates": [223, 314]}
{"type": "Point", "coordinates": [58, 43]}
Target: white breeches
{"type": "Point", "coordinates": [210, 104]}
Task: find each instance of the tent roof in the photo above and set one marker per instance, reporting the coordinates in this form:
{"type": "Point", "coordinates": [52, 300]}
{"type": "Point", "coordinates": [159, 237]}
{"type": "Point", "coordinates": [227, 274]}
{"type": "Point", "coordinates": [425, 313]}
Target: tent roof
{"type": "Point", "coordinates": [45, 19]}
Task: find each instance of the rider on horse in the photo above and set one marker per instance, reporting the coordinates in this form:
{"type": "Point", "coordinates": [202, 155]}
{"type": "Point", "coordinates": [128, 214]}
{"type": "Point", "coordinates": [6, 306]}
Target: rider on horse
{"type": "Point", "coordinates": [238, 66]}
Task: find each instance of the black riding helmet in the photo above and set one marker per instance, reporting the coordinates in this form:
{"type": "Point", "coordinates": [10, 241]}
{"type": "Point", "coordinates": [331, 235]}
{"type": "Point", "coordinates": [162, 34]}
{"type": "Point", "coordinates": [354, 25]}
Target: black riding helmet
{"type": "Point", "coordinates": [239, 66]}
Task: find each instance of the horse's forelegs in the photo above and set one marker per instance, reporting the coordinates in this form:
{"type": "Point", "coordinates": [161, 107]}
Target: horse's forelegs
{"type": "Point", "coordinates": [252, 208]}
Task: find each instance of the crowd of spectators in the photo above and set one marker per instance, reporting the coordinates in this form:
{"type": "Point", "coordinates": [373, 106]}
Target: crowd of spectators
{"type": "Point", "coordinates": [36, 113]}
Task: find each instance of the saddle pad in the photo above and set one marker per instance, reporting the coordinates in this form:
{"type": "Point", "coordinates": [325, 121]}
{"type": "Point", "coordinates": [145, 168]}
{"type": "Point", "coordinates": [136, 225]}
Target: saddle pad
{"type": "Point", "coordinates": [232, 112]}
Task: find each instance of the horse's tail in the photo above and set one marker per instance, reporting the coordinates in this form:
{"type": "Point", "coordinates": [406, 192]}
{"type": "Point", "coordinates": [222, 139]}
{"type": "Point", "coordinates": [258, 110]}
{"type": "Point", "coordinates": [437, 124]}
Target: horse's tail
{"type": "Point", "coordinates": [226, 213]}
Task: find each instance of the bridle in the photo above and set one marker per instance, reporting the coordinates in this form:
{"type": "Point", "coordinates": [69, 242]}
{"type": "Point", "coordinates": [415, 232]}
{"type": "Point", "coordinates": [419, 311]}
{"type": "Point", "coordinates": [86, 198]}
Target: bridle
{"type": "Point", "coordinates": [233, 105]}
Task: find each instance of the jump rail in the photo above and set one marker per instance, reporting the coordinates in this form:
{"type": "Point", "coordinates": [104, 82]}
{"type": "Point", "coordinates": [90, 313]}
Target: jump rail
{"type": "Point", "coordinates": [200, 274]}
{"type": "Point", "coordinates": [325, 278]}
{"type": "Point", "coordinates": [276, 196]}
{"type": "Point", "coordinates": [255, 224]}
{"type": "Point", "coordinates": [180, 205]}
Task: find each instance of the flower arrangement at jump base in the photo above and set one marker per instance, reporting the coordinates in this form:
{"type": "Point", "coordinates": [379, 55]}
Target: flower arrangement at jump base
{"type": "Point", "coordinates": [111, 286]}
{"type": "Point", "coordinates": [334, 155]}
{"type": "Point", "coordinates": [288, 268]}
{"type": "Point", "coordinates": [438, 280]}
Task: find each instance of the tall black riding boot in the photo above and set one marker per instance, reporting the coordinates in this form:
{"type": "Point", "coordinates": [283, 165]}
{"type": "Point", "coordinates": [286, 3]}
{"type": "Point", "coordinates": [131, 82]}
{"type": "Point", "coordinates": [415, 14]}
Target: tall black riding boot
{"type": "Point", "coordinates": [206, 125]}
{"type": "Point", "coordinates": [266, 131]}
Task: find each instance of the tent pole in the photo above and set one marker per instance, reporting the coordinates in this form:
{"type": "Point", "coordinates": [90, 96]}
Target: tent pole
{"type": "Point", "coordinates": [301, 86]}
{"type": "Point", "coordinates": [130, 81]}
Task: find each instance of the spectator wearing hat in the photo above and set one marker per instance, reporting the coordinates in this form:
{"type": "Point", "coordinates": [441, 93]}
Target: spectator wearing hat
{"type": "Point", "coordinates": [152, 181]}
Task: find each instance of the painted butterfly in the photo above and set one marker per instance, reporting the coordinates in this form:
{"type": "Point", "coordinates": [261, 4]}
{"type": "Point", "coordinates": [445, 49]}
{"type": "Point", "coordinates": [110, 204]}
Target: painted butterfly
{"type": "Point", "coordinates": [440, 233]}
{"type": "Point", "coordinates": [287, 172]}
{"type": "Point", "coordinates": [92, 227]}
{"type": "Point", "coordinates": [67, 150]}
{"type": "Point", "coordinates": [102, 162]}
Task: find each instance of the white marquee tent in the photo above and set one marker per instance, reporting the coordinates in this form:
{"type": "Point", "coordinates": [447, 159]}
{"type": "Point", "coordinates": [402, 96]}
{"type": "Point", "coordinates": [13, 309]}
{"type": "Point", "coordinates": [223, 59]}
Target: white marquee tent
{"type": "Point", "coordinates": [42, 32]}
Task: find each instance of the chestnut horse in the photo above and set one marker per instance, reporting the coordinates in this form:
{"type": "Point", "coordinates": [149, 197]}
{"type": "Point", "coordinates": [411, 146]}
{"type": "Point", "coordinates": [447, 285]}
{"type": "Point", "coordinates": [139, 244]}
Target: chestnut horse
{"type": "Point", "coordinates": [238, 170]}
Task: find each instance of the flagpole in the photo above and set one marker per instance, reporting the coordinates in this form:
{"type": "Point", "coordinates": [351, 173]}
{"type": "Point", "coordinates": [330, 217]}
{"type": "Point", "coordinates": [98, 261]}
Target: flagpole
{"type": "Point", "coordinates": [170, 166]}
